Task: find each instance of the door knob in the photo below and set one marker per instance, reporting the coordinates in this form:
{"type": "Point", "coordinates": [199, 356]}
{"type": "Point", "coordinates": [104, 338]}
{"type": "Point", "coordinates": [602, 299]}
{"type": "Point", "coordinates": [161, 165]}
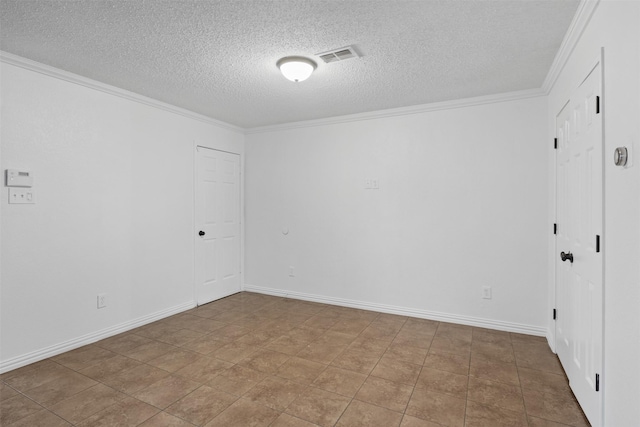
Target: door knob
{"type": "Point", "coordinates": [201, 233]}
{"type": "Point", "coordinates": [567, 256]}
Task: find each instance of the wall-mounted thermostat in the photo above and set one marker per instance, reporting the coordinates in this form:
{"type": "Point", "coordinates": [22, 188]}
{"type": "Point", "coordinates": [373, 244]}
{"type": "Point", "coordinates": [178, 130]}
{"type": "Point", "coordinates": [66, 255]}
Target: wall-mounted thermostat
{"type": "Point", "coordinates": [620, 156]}
{"type": "Point", "coordinates": [16, 178]}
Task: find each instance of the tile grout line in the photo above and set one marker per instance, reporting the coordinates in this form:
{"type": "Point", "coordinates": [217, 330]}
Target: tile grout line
{"type": "Point", "coordinates": [466, 400]}
{"type": "Point", "coordinates": [420, 373]}
{"type": "Point", "coordinates": [524, 402]}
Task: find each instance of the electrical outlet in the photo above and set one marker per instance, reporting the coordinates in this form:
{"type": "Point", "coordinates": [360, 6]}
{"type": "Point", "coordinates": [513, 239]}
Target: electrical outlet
{"type": "Point", "coordinates": [371, 184]}
{"type": "Point", "coordinates": [291, 271]}
{"type": "Point", "coordinates": [486, 292]}
{"type": "Point", "coordinates": [102, 300]}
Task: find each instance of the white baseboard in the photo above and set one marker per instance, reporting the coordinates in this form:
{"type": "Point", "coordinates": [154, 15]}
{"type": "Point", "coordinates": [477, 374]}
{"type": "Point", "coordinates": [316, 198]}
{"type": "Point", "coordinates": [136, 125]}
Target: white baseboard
{"type": "Point", "coordinates": [54, 350]}
{"type": "Point", "coordinates": [403, 311]}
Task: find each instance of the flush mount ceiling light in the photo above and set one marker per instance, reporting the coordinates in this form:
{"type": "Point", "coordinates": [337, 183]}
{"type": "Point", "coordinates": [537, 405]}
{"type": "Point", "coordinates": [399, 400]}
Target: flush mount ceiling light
{"type": "Point", "coordinates": [296, 68]}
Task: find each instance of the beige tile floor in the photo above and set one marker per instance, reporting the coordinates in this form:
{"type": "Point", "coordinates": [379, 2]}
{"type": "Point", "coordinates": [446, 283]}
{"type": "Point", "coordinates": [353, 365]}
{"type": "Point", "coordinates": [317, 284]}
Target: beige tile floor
{"type": "Point", "coordinates": [256, 360]}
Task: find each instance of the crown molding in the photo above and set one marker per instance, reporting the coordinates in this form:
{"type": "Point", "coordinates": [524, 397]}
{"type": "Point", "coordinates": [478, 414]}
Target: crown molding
{"type": "Point", "coordinates": [581, 19]}
{"type": "Point", "coordinates": [28, 64]}
{"type": "Point", "coordinates": [583, 15]}
{"type": "Point", "coordinates": [402, 111]}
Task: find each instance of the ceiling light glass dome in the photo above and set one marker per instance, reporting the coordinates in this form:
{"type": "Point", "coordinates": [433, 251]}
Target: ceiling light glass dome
{"type": "Point", "coordinates": [296, 68]}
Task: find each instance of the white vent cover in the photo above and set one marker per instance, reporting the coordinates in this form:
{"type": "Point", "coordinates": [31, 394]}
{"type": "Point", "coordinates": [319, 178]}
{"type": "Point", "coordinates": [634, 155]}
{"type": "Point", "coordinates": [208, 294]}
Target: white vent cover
{"type": "Point", "coordinates": [336, 55]}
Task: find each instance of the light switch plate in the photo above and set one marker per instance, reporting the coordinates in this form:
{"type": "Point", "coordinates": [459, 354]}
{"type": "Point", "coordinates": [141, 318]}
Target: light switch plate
{"type": "Point", "coordinates": [21, 195]}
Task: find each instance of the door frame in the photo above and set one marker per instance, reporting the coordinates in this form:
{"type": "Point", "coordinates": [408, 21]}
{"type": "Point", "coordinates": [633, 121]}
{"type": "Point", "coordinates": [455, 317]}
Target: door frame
{"type": "Point", "coordinates": [552, 336]}
{"type": "Point", "coordinates": [237, 149]}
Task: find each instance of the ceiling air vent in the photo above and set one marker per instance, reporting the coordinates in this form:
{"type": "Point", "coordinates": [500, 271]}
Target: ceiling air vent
{"type": "Point", "coordinates": [338, 54]}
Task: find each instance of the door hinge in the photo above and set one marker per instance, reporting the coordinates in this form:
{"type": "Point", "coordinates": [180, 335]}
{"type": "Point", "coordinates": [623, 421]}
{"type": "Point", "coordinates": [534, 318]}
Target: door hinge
{"type": "Point", "coordinates": [597, 382]}
{"type": "Point", "coordinates": [555, 228]}
{"type": "Point", "coordinates": [555, 314]}
{"type": "Point", "coordinates": [597, 243]}
{"type": "Point", "coordinates": [555, 143]}
{"type": "Point", "coordinates": [597, 105]}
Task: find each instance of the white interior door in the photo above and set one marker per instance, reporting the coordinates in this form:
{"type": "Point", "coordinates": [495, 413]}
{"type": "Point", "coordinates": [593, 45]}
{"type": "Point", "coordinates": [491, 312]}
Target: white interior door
{"type": "Point", "coordinates": [217, 220]}
{"type": "Point", "coordinates": [579, 280]}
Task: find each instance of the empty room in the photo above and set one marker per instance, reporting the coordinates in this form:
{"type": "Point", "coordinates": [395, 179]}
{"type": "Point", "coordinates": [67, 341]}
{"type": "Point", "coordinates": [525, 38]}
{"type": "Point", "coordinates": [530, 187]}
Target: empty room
{"type": "Point", "coordinates": [320, 213]}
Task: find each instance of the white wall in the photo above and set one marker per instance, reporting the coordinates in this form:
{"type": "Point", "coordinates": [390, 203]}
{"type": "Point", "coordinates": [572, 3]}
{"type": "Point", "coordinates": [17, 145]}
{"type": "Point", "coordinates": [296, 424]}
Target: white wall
{"type": "Point", "coordinates": [114, 212]}
{"type": "Point", "coordinates": [462, 204]}
{"type": "Point", "coordinates": [615, 26]}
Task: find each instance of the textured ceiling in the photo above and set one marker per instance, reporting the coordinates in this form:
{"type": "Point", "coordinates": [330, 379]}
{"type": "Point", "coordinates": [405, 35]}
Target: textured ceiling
{"type": "Point", "coordinates": [218, 58]}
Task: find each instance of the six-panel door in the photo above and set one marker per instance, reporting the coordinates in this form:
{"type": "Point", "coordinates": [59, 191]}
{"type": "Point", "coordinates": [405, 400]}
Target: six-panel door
{"type": "Point", "coordinates": [217, 220]}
